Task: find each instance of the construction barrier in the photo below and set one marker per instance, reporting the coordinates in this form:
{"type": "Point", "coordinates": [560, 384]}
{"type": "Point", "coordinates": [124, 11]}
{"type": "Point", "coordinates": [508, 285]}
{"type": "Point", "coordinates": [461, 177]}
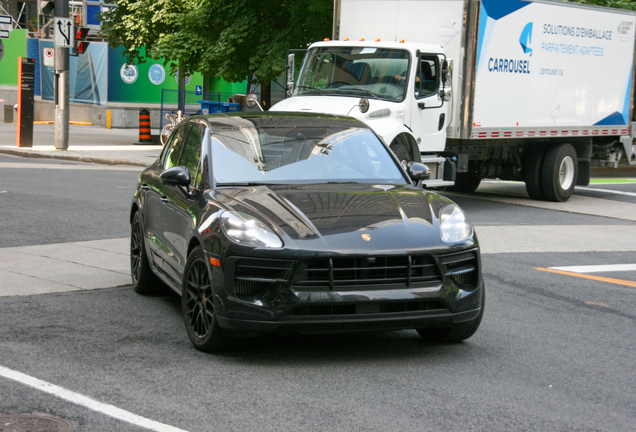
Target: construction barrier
{"type": "Point", "coordinates": [144, 126]}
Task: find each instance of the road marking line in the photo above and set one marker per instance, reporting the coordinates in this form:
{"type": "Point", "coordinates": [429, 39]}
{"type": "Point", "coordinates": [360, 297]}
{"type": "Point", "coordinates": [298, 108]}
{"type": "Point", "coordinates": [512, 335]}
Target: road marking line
{"type": "Point", "coordinates": [597, 268]}
{"type": "Point", "coordinates": [87, 402]}
{"type": "Point", "coordinates": [596, 304]}
{"type": "Point", "coordinates": [585, 276]}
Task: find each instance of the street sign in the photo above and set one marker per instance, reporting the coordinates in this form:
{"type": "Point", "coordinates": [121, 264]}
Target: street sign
{"type": "Point", "coordinates": [64, 34]}
{"type": "Point", "coordinates": [48, 57]}
{"type": "Point", "coordinates": [5, 26]}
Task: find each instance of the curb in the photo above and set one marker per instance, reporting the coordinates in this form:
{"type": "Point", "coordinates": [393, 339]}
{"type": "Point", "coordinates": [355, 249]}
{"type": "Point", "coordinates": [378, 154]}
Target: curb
{"type": "Point", "coordinates": [76, 158]}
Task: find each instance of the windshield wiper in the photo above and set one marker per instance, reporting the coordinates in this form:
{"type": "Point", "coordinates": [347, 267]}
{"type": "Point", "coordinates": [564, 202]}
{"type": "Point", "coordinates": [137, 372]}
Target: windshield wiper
{"type": "Point", "coordinates": [311, 88]}
{"type": "Point", "coordinates": [369, 92]}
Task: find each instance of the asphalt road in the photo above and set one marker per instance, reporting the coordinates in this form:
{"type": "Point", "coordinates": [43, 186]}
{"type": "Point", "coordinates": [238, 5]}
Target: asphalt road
{"type": "Point", "coordinates": [555, 350]}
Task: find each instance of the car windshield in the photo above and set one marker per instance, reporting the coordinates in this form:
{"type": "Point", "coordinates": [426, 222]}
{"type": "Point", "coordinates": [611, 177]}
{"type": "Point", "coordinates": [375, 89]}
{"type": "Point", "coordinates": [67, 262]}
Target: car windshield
{"type": "Point", "coordinates": [354, 71]}
{"type": "Point", "coordinates": [301, 155]}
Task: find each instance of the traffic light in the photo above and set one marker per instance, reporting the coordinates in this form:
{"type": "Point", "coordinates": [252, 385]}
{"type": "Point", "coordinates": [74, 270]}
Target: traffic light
{"type": "Point", "coordinates": [47, 7]}
{"type": "Point", "coordinates": [81, 46]}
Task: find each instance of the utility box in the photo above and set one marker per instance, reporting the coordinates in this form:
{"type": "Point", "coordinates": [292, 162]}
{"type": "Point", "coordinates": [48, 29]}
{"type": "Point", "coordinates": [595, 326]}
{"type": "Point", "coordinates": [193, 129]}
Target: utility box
{"type": "Point", "coordinates": [8, 113]}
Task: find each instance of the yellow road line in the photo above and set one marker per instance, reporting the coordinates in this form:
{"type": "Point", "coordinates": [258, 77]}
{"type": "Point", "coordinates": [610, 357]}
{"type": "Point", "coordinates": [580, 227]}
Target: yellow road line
{"type": "Point", "coordinates": [586, 276]}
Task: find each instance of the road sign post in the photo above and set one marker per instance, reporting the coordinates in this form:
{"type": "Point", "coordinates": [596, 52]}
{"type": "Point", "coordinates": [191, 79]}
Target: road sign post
{"type": "Point", "coordinates": [64, 39]}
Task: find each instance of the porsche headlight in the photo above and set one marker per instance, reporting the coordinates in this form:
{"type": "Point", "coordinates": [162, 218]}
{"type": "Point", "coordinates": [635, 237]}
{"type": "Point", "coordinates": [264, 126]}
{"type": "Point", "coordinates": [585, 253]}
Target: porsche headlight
{"type": "Point", "coordinates": [248, 231]}
{"type": "Point", "coordinates": [453, 224]}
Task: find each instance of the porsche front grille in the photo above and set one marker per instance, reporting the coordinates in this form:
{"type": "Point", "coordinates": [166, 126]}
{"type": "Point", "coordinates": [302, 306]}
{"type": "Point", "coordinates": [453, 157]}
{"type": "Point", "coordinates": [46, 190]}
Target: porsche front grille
{"type": "Point", "coordinates": [353, 273]}
{"type": "Point", "coordinates": [462, 269]}
{"type": "Point", "coordinates": [254, 275]}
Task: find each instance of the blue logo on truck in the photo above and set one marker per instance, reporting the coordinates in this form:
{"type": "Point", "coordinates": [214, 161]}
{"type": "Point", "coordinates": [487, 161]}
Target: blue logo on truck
{"type": "Point", "coordinates": [515, 65]}
{"type": "Point", "coordinates": [526, 39]}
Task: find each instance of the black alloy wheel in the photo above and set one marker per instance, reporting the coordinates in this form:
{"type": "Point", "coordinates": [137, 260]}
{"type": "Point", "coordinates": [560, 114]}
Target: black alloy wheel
{"type": "Point", "coordinates": [197, 302]}
{"type": "Point", "coordinates": [144, 281]}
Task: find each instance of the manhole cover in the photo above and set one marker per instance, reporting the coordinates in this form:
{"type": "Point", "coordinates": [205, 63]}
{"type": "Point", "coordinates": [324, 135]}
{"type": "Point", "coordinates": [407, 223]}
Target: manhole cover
{"type": "Point", "coordinates": [33, 423]}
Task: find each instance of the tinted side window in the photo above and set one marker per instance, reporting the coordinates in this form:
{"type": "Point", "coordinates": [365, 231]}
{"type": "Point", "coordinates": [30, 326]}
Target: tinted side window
{"type": "Point", "coordinates": [192, 154]}
{"type": "Point", "coordinates": [427, 78]}
{"type": "Point", "coordinates": [175, 146]}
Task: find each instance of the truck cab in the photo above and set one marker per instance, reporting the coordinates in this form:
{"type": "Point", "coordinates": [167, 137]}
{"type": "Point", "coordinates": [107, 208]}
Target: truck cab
{"type": "Point", "coordinates": [401, 90]}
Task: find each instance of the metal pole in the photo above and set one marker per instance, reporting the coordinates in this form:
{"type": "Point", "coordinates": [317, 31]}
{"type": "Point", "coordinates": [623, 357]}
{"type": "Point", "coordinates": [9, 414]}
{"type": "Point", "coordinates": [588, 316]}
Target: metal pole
{"type": "Point", "coordinates": [61, 85]}
{"type": "Point", "coordinates": [182, 93]}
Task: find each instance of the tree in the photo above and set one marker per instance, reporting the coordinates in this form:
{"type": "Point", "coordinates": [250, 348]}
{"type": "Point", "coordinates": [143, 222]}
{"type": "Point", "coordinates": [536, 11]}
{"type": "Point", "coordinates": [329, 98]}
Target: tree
{"type": "Point", "coordinates": [620, 4]}
{"type": "Point", "coordinates": [227, 39]}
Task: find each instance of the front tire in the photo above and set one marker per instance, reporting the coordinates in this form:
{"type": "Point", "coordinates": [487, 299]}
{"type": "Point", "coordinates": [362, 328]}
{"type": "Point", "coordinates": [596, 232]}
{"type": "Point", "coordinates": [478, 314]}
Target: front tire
{"type": "Point", "coordinates": [197, 303]}
{"type": "Point", "coordinates": [144, 281]}
{"type": "Point", "coordinates": [401, 151]}
{"type": "Point", "coordinates": [456, 333]}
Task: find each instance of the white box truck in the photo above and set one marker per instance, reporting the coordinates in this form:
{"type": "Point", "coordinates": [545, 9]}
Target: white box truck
{"type": "Point", "coordinates": [536, 91]}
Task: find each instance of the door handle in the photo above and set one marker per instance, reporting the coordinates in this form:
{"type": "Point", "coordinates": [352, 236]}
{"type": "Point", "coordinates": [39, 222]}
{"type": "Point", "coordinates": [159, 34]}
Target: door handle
{"type": "Point", "coordinates": [144, 186]}
{"type": "Point", "coordinates": [165, 200]}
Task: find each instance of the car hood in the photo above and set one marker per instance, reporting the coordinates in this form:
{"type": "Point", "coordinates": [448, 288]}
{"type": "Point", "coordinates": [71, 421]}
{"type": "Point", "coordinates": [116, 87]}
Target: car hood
{"type": "Point", "coordinates": [344, 217]}
{"type": "Point", "coordinates": [339, 105]}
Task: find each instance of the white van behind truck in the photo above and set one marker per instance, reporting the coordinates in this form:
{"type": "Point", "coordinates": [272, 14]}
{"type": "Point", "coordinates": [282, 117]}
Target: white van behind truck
{"type": "Point", "coordinates": [537, 91]}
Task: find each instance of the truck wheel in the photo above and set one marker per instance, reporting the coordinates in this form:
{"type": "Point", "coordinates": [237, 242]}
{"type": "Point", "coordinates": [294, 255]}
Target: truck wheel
{"type": "Point", "coordinates": [401, 151]}
{"type": "Point", "coordinates": [533, 169]}
{"type": "Point", "coordinates": [465, 182]}
{"type": "Point", "coordinates": [559, 173]}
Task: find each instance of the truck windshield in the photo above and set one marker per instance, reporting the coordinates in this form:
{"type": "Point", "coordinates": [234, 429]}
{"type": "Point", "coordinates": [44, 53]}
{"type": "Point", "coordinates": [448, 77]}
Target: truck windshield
{"type": "Point", "coordinates": [355, 71]}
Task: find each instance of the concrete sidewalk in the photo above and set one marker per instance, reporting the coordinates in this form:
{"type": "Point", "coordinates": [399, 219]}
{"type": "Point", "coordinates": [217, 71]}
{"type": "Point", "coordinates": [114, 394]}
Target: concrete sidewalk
{"type": "Point", "coordinates": [86, 144]}
{"type": "Point", "coordinates": [75, 266]}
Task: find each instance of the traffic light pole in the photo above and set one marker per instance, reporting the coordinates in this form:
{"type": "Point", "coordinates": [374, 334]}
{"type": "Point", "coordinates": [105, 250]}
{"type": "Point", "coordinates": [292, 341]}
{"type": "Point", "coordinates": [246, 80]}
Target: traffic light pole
{"type": "Point", "coordinates": [61, 84]}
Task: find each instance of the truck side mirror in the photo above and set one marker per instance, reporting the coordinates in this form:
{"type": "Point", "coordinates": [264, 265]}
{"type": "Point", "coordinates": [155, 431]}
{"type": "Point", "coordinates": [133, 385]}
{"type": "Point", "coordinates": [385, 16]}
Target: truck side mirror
{"type": "Point", "coordinates": [291, 66]}
{"type": "Point", "coordinates": [446, 85]}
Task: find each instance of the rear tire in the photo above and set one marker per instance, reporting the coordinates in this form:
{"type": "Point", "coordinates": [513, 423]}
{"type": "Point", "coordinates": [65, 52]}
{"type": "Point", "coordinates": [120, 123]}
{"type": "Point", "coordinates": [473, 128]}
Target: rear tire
{"type": "Point", "coordinates": [560, 170]}
{"type": "Point", "coordinates": [533, 170]}
{"type": "Point", "coordinates": [456, 333]}
{"type": "Point", "coordinates": [144, 281]}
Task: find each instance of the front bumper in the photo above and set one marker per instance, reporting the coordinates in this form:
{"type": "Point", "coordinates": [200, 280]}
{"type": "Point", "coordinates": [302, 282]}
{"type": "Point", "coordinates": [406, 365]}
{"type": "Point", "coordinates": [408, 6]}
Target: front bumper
{"type": "Point", "coordinates": [347, 295]}
{"type": "Point", "coordinates": [349, 324]}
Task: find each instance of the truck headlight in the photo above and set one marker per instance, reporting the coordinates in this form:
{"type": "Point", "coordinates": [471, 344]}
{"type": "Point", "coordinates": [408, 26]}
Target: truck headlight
{"type": "Point", "coordinates": [246, 230]}
{"type": "Point", "coordinates": [453, 224]}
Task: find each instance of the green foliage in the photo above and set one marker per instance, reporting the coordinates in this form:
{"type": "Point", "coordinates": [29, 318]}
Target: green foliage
{"type": "Point", "coordinates": [619, 4]}
{"type": "Point", "coordinates": [226, 39]}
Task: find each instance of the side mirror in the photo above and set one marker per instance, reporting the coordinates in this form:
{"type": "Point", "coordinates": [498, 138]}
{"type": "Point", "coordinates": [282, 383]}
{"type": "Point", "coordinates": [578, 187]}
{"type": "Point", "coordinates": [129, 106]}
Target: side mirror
{"type": "Point", "coordinates": [291, 72]}
{"type": "Point", "coordinates": [446, 86]}
{"type": "Point", "coordinates": [252, 100]}
{"type": "Point", "coordinates": [418, 171]}
{"type": "Point", "coordinates": [179, 175]}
